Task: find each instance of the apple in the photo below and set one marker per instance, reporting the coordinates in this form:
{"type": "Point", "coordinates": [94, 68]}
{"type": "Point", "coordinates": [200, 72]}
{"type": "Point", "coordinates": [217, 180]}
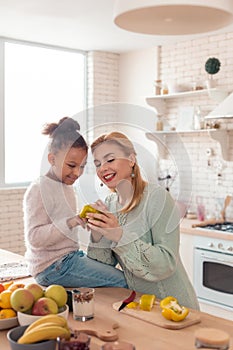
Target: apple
{"type": "Point", "coordinates": [44, 306]}
{"type": "Point", "coordinates": [36, 290]}
{"type": "Point", "coordinates": [21, 299]}
{"type": "Point", "coordinates": [57, 293]}
{"type": "Point", "coordinates": [1, 287]}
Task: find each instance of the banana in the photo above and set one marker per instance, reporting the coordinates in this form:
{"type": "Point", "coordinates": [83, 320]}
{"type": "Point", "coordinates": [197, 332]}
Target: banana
{"type": "Point", "coordinates": [57, 320]}
{"type": "Point", "coordinates": [44, 333]}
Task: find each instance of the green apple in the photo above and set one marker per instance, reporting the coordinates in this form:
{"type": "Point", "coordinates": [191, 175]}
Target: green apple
{"type": "Point", "coordinates": [36, 290]}
{"type": "Point", "coordinates": [21, 299]}
{"type": "Point", "coordinates": [44, 306]}
{"type": "Point", "coordinates": [57, 293]}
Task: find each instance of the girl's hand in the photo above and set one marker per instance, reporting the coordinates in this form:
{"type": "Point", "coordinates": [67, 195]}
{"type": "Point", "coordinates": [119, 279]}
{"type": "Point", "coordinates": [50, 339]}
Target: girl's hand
{"type": "Point", "coordinates": [106, 224]}
{"type": "Point", "coordinates": [75, 221]}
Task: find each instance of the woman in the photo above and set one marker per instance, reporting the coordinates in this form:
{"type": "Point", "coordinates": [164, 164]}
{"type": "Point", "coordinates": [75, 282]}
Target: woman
{"type": "Point", "coordinates": [138, 226]}
{"type": "Point", "coordinates": [51, 220]}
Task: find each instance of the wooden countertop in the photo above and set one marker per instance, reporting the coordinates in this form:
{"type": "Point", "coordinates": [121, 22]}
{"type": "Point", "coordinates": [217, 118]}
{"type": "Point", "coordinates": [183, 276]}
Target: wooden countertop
{"type": "Point", "coordinates": [186, 227]}
{"type": "Point", "coordinates": [143, 335]}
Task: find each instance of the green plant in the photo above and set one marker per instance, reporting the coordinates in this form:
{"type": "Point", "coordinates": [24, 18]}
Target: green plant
{"type": "Point", "coordinates": [212, 65]}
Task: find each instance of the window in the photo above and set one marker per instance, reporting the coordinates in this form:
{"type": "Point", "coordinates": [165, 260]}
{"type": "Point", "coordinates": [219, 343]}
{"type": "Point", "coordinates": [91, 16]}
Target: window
{"type": "Point", "coordinates": [39, 84]}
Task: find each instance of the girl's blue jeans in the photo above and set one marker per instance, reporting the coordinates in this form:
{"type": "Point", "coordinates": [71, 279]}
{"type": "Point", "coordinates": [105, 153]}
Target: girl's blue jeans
{"type": "Point", "coordinates": [77, 270]}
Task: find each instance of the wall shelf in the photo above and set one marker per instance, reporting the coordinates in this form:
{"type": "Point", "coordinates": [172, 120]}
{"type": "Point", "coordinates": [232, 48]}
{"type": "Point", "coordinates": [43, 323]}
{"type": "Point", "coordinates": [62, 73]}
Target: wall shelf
{"type": "Point", "coordinates": [221, 136]}
{"type": "Point", "coordinates": [159, 101]}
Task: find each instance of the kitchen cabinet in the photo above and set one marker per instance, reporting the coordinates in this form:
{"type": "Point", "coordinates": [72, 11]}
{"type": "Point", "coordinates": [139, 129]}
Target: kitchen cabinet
{"type": "Point", "coordinates": [220, 135]}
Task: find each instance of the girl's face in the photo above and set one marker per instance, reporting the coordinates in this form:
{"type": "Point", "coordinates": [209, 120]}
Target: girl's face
{"type": "Point", "coordinates": [112, 165]}
{"type": "Point", "coordinates": [68, 165]}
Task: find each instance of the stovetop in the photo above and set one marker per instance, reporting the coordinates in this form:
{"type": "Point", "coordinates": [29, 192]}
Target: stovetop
{"type": "Point", "coordinates": [223, 227]}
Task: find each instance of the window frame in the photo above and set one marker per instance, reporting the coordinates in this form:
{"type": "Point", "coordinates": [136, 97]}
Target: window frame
{"type": "Point", "coordinates": [4, 40]}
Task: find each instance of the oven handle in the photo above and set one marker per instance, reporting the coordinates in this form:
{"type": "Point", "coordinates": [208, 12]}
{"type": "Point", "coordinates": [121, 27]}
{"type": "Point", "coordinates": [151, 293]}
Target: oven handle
{"type": "Point", "coordinates": [215, 258]}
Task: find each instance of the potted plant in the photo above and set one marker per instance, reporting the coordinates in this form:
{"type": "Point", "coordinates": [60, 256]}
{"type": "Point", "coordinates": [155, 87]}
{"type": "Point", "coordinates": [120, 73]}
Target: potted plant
{"type": "Point", "coordinates": [212, 66]}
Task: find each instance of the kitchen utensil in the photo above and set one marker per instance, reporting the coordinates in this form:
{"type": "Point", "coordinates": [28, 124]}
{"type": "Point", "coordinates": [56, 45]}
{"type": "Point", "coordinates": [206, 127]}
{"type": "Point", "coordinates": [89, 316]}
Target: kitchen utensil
{"type": "Point", "coordinates": [99, 326]}
{"type": "Point", "coordinates": [226, 203]}
{"type": "Point", "coordinates": [155, 317]}
{"type": "Point", "coordinates": [127, 300]}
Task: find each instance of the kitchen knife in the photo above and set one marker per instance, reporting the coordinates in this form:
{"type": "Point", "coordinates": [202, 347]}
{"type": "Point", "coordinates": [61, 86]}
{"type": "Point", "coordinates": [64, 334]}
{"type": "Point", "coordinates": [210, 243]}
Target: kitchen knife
{"type": "Point", "coordinates": [127, 300]}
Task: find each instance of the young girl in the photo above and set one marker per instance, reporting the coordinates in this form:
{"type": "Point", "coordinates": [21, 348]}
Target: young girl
{"type": "Point", "coordinates": [139, 225]}
{"type": "Point", "coordinates": [51, 220]}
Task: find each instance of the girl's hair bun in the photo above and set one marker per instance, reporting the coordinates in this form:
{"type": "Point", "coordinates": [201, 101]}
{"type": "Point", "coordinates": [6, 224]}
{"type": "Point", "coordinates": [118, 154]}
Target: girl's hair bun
{"type": "Point", "coordinates": [68, 124]}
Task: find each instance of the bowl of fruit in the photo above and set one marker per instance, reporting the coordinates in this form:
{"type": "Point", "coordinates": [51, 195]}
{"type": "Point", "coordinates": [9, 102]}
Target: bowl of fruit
{"type": "Point", "coordinates": [8, 316]}
{"type": "Point", "coordinates": [33, 302]}
{"type": "Point", "coordinates": [40, 335]}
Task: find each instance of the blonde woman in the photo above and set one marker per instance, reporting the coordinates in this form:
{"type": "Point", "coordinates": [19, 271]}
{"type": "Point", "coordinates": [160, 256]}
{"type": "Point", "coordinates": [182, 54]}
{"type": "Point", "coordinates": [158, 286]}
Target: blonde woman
{"type": "Point", "coordinates": [139, 224]}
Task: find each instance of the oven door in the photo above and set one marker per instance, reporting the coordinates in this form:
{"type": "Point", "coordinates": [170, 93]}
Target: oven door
{"type": "Point", "coordinates": [213, 276]}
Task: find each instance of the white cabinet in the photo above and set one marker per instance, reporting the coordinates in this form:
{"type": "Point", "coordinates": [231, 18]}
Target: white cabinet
{"type": "Point", "coordinates": [186, 253]}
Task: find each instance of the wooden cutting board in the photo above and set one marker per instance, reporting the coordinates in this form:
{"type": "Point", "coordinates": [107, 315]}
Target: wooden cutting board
{"type": "Point", "coordinates": [155, 317]}
{"type": "Point", "coordinates": [101, 327]}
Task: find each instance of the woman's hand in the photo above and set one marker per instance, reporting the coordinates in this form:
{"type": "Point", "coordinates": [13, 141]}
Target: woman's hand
{"type": "Point", "coordinates": [105, 224]}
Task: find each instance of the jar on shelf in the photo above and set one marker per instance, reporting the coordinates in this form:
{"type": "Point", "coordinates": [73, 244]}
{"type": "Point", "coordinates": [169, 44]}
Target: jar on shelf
{"type": "Point", "coordinates": [164, 89]}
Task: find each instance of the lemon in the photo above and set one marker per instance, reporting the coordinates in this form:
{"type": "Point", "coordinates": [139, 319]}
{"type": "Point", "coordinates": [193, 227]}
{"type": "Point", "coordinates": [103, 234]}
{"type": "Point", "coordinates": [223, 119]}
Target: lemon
{"type": "Point", "coordinates": [5, 297]}
{"type": "Point", "coordinates": [7, 313]}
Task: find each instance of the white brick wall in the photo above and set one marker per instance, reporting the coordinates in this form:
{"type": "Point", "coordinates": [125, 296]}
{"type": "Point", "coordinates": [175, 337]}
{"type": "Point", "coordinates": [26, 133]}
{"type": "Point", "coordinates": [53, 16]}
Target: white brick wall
{"type": "Point", "coordinates": [184, 62]}
{"type": "Point", "coordinates": [11, 220]}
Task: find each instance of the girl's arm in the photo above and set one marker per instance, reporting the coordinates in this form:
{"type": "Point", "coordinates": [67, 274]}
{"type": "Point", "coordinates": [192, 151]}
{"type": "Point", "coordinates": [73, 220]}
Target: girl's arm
{"type": "Point", "coordinates": [40, 229]}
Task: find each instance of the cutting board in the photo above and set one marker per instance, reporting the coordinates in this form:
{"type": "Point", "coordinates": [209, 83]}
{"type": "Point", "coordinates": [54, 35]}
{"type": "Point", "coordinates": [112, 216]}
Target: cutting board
{"type": "Point", "coordinates": [155, 317]}
{"type": "Point", "coordinates": [101, 327]}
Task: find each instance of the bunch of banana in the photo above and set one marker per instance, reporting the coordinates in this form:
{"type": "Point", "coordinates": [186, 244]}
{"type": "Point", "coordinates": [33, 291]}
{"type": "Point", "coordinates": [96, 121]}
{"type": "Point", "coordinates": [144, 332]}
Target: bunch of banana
{"type": "Point", "coordinates": [46, 328]}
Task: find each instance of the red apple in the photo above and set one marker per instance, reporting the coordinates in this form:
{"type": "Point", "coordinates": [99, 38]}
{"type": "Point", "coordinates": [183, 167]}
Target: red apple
{"type": "Point", "coordinates": [21, 299]}
{"type": "Point", "coordinates": [44, 306]}
{"type": "Point", "coordinates": [36, 290]}
{"type": "Point", "coordinates": [1, 287]}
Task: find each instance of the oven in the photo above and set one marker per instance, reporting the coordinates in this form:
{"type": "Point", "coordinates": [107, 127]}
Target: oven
{"type": "Point", "coordinates": [213, 271]}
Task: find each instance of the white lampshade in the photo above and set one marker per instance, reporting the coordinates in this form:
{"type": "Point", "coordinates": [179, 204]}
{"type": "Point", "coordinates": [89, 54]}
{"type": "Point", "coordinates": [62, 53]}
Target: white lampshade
{"type": "Point", "coordinates": [171, 17]}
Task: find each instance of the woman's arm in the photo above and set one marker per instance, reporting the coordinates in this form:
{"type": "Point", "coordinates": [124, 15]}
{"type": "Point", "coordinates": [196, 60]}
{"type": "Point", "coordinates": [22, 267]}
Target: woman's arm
{"type": "Point", "coordinates": [151, 250]}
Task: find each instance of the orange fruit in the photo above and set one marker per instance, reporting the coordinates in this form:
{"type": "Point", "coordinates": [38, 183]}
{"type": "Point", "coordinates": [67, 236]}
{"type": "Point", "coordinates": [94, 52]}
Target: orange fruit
{"type": "Point", "coordinates": [7, 313]}
{"type": "Point", "coordinates": [7, 284]}
{"type": "Point", "coordinates": [15, 286]}
{"type": "Point", "coordinates": [1, 287]}
{"type": "Point", "coordinates": [5, 297]}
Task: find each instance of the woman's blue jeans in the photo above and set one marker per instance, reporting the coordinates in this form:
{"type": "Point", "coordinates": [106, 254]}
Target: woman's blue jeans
{"type": "Point", "coordinates": [77, 270]}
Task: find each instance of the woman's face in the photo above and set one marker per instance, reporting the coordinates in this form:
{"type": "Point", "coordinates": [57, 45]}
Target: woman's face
{"type": "Point", "coordinates": [112, 165]}
{"type": "Point", "coordinates": [68, 164]}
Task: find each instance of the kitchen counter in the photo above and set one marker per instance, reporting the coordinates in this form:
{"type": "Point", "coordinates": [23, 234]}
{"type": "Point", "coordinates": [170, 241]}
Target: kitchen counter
{"type": "Point", "coordinates": [186, 227]}
{"type": "Point", "coordinates": [144, 335]}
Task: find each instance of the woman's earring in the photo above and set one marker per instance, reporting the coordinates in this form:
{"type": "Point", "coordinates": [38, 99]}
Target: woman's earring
{"type": "Point", "coordinates": [132, 174]}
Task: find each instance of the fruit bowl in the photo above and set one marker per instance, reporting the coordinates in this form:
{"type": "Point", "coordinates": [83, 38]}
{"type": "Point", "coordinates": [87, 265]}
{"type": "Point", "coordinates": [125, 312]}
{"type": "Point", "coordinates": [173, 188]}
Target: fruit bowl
{"type": "Point", "coordinates": [8, 323]}
{"type": "Point", "coordinates": [26, 319]}
{"type": "Point", "coordinates": [14, 334]}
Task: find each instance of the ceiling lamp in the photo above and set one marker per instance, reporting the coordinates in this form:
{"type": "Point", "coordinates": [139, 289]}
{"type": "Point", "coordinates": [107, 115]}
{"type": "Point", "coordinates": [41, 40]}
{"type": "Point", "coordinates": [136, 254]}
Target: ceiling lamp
{"type": "Point", "coordinates": [171, 17]}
